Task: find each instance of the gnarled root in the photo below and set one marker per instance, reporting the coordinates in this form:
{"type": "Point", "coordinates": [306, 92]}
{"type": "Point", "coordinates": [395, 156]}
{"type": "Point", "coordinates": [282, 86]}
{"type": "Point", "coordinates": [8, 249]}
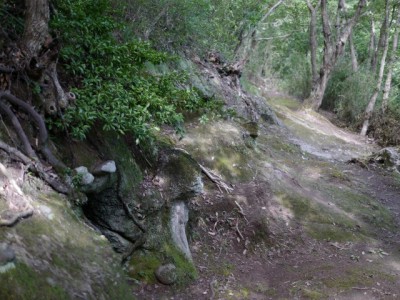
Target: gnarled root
{"type": "Point", "coordinates": [38, 120]}
{"type": "Point", "coordinates": [37, 168]}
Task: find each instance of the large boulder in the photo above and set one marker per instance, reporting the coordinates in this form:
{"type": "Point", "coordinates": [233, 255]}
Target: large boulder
{"type": "Point", "coordinates": [389, 157]}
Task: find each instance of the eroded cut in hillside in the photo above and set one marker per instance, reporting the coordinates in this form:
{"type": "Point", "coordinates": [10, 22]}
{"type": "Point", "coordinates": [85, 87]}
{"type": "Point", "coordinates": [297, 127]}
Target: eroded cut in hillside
{"type": "Point", "coordinates": [301, 221]}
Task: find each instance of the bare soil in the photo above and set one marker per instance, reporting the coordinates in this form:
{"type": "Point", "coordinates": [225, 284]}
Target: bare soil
{"type": "Point", "coordinates": [301, 223]}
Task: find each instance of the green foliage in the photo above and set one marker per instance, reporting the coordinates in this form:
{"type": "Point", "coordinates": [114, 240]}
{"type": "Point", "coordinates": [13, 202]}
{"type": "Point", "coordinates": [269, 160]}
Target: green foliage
{"type": "Point", "coordinates": [11, 16]}
{"type": "Point", "coordinates": [114, 88]}
{"type": "Point", "coordinates": [348, 93]}
{"type": "Point", "coordinates": [297, 74]}
{"type": "Point", "coordinates": [202, 25]}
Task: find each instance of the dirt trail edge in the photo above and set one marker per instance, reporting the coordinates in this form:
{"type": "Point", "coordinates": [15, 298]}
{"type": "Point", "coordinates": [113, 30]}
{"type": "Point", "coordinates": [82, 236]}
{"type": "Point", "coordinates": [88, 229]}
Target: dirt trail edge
{"type": "Point", "coordinates": [301, 223]}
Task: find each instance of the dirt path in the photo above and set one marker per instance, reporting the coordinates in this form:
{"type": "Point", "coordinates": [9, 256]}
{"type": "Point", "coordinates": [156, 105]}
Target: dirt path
{"type": "Point", "coordinates": [301, 222]}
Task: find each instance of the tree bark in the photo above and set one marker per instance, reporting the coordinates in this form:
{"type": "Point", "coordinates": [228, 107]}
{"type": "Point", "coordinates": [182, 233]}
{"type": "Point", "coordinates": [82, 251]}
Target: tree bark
{"type": "Point", "coordinates": [383, 32]}
{"type": "Point", "coordinates": [313, 40]}
{"type": "Point", "coordinates": [36, 29]}
{"type": "Point", "coordinates": [353, 54]}
{"type": "Point", "coordinates": [372, 43]}
{"type": "Point", "coordinates": [332, 51]}
{"type": "Point", "coordinates": [388, 82]}
{"type": "Point", "coordinates": [374, 96]}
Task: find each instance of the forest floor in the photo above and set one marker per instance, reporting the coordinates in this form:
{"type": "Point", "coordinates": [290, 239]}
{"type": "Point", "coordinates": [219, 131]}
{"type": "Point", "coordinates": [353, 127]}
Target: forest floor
{"type": "Point", "coordinates": [301, 223]}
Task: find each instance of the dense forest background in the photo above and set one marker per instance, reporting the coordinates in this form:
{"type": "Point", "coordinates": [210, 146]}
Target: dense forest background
{"type": "Point", "coordinates": [104, 49]}
{"type": "Point", "coordinates": [194, 139]}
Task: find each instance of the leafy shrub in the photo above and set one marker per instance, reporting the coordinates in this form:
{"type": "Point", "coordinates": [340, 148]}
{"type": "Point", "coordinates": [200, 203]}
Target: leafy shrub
{"type": "Point", "coordinates": [385, 127]}
{"type": "Point", "coordinates": [114, 88]}
{"type": "Point", "coordinates": [348, 93]}
{"type": "Point", "coordinates": [297, 75]}
{"type": "Point", "coordinates": [202, 25]}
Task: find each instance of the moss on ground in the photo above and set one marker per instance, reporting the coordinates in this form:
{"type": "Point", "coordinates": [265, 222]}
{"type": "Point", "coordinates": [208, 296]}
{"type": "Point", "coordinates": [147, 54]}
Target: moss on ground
{"type": "Point", "coordinates": [312, 294]}
{"type": "Point", "coordinates": [320, 222]}
{"type": "Point", "coordinates": [143, 265]}
{"type": "Point", "coordinates": [367, 209]}
{"type": "Point", "coordinates": [22, 282]}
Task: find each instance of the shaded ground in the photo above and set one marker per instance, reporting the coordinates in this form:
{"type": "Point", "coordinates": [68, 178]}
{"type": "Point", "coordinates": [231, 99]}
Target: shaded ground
{"type": "Point", "coordinates": [301, 222]}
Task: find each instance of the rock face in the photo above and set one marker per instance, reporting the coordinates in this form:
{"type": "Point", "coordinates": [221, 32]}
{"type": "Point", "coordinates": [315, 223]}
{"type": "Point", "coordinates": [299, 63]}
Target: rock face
{"type": "Point", "coordinates": [105, 208]}
{"type": "Point", "coordinates": [179, 176]}
{"type": "Point", "coordinates": [166, 274]}
{"type": "Point", "coordinates": [389, 157]}
{"type": "Point", "coordinates": [160, 206]}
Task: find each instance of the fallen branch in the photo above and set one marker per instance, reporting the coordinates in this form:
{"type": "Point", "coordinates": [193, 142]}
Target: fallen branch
{"type": "Point", "coordinates": [238, 231]}
{"type": "Point", "coordinates": [216, 179]}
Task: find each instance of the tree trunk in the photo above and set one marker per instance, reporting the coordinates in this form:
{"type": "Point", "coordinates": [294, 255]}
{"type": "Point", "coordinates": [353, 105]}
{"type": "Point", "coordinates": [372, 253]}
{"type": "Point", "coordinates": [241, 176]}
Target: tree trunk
{"type": "Point", "coordinates": [388, 83]}
{"type": "Point", "coordinates": [332, 51]}
{"type": "Point", "coordinates": [313, 40]}
{"type": "Point", "coordinates": [372, 100]}
{"type": "Point", "coordinates": [353, 53]}
{"type": "Point", "coordinates": [36, 29]}
{"type": "Point", "coordinates": [372, 42]}
{"type": "Point", "coordinates": [41, 53]}
{"type": "Point", "coordinates": [383, 32]}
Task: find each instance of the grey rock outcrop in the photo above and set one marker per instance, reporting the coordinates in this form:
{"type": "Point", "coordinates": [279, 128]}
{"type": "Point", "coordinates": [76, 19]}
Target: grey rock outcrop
{"type": "Point", "coordinates": [389, 157]}
{"type": "Point", "coordinates": [104, 168]}
{"type": "Point", "coordinates": [86, 176]}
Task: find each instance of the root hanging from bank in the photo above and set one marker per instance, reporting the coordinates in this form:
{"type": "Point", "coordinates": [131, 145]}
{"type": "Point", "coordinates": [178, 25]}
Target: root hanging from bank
{"type": "Point", "coordinates": [39, 122]}
{"type": "Point", "coordinates": [30, 157]}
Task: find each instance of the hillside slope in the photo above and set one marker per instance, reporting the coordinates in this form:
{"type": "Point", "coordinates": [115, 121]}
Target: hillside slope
{"type": "Point", "coordinates": [301, 222]}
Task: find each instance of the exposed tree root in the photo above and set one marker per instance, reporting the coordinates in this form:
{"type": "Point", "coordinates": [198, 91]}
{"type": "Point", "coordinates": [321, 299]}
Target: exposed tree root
{"type": "Point", "coordinates": [4, 109]}
{"type": "Point", "coordinates": [38, 120]}
{"type": "Point", "coordinates": [37, 168]}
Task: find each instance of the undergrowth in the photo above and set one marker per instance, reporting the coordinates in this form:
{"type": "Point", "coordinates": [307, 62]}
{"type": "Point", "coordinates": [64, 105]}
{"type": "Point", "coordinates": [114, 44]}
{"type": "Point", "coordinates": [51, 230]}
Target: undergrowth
{"type": "Point", "coordinates": [112, 87]}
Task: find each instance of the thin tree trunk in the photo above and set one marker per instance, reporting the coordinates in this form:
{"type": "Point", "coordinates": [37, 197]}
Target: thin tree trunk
{"type": "Point", "coordinates": [374, 97]}
{"type": "Point", "coordinates": [388, 83]}
{"type": "Point", "coordinates": [313, 40]}
{"type": "Point", "coordinates": [353, 53]}
{"type": "Point", "coordinates": [332, 51]}
{"type": "Point", "coordinates": [383, 32]}
{"type": "Point", "coordinates": [372, 41]}
{"type": "Point", "coordinates": [248, 42]}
